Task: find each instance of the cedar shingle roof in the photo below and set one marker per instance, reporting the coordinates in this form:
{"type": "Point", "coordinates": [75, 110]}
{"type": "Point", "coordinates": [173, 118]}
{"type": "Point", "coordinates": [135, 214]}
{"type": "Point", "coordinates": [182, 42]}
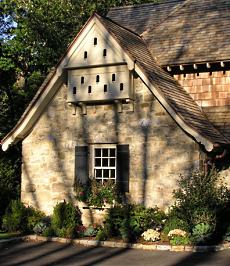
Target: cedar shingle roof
{"type": "Point", "coordinates": [179, 32]}
{"type": "Point", "coordinates": [168, 87]}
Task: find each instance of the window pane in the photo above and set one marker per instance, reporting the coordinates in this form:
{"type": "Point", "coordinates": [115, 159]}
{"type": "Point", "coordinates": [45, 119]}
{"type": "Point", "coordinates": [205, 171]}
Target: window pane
{"type": "Point", "coordinates": [106, 173]}
{"type": "Point", "coordinates": [98, 173]}
{"type": "Point", "coordinates": [97, 162]}
{"type": "Point", "coordinates": [112, 173]}
{"type": "Point", "coordinates": [112, 162]}
{"type": "Point", "coordinates": [112, 152]}
{"type": "Point", "coordinates": [105, 152]}
{"type": "Point", "coordinates": [105, 162]}
{"type": "Point", "coordinates": [97, 152]}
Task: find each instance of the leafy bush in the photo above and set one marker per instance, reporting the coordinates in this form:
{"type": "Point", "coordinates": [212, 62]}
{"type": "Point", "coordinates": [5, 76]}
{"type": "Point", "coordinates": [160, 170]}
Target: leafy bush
{"type": "Point", "coordinates": [130, 221]}
{"type": "Point", "coordinates": [18, 217]}
{"type": "Point", "coordinates": [65, 232]}
{"type": "Point", "coordinates": [101, 235]}
{"type": "Point", "coordinates": [96, 194]}
{"type": "Point", "coordinates": [203, 201]}
{"type": "Point", "coordinates": [175, 223]}
{"type": "Point", "coordinates": [180, 240]}
{"type": "Point", "coordinates": [91, 231]}
{"type": "Point", "coordinates": [199, 197]}
{"type": "Point", "coordinates": [10, 172]}
{"type": "Point", "coordinates": [15, 218]}
{"type": "Point", "coordinates": [201, 233]}
{"type": "Point", "coordinates": [33, 217]}
{"type": "Point", "coordinates": [227, 237]}
{"type": "Point", "coordinates": [80, 230]}
{"type": "Point", "coordinates": [65, 218]}
{"type": "Point", "coordinates": [203, 215]}
{"type": "Point", "coordinates": [40, 228]}
{"type": "Point", "coordinates": [48, 232]}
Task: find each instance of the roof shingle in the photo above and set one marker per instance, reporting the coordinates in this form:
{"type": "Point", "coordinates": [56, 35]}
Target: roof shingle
{"type": "Point", "coordinates": [180, 32]}
{"type": "Point", "coordinates": [179, 100]}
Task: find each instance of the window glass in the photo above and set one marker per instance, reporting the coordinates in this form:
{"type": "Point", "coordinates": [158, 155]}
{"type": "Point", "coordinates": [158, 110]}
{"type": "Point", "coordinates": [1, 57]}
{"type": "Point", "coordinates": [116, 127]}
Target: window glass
{"type": "Point", "coordinates": [104, 163]}
{"type": "Point", "coordinates": [98, 152]}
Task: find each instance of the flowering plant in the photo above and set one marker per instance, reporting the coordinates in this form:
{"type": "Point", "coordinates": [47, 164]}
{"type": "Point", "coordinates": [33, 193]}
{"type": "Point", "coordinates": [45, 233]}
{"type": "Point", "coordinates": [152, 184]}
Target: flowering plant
{"type": "Point", "coordinates": [151, 235]}
{"type": "Point", "coordinates": [177, 232]}
{"type": "Point", "coordinates": [80, 229]}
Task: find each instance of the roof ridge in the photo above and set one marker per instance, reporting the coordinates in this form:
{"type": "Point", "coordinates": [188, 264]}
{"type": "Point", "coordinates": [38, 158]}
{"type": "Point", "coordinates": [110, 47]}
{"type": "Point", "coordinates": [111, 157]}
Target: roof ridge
{"type": "Point", "coordinates": [133, 32]}
{"type": "Point", "coordinates": [146, 4]}
{"type": "Point", "coordinates": [175, 9]}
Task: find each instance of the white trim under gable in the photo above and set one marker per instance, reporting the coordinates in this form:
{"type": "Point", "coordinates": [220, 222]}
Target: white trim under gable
{"type": "Point", "coordinates": [57, 79]}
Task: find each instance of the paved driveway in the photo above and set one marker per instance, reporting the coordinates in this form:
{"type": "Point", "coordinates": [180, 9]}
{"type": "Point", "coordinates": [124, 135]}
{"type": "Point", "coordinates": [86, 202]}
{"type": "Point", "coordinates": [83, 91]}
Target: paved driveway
{"type": "Point", "coordinates": [47, 254]}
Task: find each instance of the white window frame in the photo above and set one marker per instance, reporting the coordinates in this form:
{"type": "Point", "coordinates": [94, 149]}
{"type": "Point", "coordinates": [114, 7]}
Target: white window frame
{"type": "Point", "coordinates": [104, 146]}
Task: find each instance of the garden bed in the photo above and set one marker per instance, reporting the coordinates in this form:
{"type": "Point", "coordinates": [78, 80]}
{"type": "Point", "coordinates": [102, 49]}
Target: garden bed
{"type": "Point", "coordinates": [122, 244]}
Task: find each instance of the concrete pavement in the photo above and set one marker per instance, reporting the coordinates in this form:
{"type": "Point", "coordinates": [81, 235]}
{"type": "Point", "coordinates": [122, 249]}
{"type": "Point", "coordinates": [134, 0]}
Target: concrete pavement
{"type": "Point", "coordinates": [51, 253]}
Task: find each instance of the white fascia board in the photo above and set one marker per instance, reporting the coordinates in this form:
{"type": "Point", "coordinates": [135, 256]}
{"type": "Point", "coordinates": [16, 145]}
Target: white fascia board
{"type": "Point", "coordinates": [34, 113]}
{"type": "Point", "coordinates": [49, 91]}
{"type": "Point", "coordinates": [76, 44]}
{"type": "Point", "coordinates": [52, 87]}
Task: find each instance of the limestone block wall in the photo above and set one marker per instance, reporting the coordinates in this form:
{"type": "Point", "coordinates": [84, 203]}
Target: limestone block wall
{"type": "Point", "coordinates": [159, 149]}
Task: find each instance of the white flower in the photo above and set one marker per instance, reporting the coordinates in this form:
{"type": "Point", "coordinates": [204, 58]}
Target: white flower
{"type": "Point", "coordinates": [151, 235]}
{"type": "Point", "coordinates": [177, 232]}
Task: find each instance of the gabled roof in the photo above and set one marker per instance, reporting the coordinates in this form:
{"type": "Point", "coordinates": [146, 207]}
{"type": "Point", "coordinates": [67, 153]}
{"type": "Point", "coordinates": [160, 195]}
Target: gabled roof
{"type": "Point", "coordinates": [175, 96]}
{"type": "Point", "coordinates": [170, 94]}
{"type": "Point", "coordinates": [180, 32]}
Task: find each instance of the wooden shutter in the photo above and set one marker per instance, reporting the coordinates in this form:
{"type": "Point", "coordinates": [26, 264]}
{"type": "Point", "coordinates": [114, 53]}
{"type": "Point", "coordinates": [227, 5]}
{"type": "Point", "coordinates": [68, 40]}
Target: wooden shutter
{"type": "Point", "coordinates": [123, 167]}
{"type": "Point", "coordinates": [81, 164]}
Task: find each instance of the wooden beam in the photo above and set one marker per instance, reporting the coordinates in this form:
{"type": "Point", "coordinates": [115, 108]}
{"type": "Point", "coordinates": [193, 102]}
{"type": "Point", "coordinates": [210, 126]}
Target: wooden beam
{"type": "Point", "coordinates": [131, 103]}
{"type": "Point", "coordinates": [119, 106]}
{"type": "Point", "coordinates": [83, 108]}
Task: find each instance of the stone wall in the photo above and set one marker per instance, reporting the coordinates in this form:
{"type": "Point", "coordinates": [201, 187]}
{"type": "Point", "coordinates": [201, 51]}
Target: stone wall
{"type": "Point", "coordinates": [159, 149]}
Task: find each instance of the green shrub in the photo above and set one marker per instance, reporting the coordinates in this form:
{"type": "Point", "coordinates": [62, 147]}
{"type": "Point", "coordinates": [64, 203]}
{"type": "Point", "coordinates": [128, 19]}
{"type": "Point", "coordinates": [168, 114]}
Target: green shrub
{"type": "Point", "coordinates": [203, 215]}
{"type": "Point", "coordinates": [39, 228]}
{"type": "Point", "coordinates": [65, 218]}
{"type": "Point", "coordinates": [15, 218]}
{"type": "Point", "coordinates": [65, 232]}
{"type": "Point", "coordinates": [202, 199]}
{"type": "Point", "coordinates": [48, 232]}
{"type": "Point", "coordinates": [18, 217]}
{"type": "Point", "coordinates": [94, 193]}
{"type": "Point", "coordinates": [180, 240]}
{"type": "Point", "coordinates": [227, 237]}
{"type": "Point", "coordinates": [80, 230]}
{"type": "Point", "coordinates": [91, 231]}
{"type": "Point", "coordinates": [101, 235]}
{"type": "Point", "coordinates": [201, 233]}
{"type": "Point", "coordinates": [175, 223]}
{"type": "Point", "coordinates": [10, 172]}
{"type": "Point", "coordinates": [130, 221]}
{"type": "Point", "coordinates": [33, 217]}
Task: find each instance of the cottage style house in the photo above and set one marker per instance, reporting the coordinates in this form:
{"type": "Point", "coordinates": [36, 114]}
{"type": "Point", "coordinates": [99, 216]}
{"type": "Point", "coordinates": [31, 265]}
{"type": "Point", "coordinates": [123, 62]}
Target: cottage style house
{"type": "Point", "coordinates": [139, 97]}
